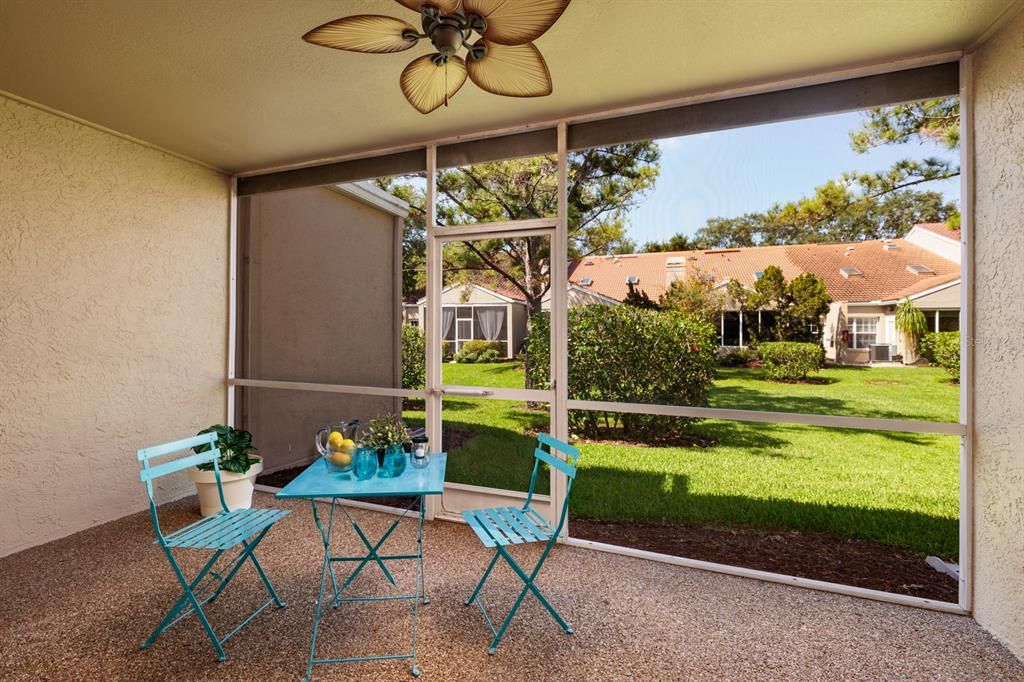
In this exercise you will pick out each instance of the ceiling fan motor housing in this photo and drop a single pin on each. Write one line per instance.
(450, 32)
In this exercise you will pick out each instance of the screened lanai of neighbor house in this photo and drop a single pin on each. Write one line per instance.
(466, 339)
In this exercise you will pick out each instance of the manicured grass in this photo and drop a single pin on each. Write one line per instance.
(886, 392)
(895, 488)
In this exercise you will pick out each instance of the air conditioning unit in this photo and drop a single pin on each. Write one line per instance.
(881, 352)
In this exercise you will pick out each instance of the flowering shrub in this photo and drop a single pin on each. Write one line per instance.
(414, 362)
(943, 349)
(628, 354)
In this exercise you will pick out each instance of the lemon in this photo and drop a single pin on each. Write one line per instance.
(348, 446)
(335, 439)
(341, 459)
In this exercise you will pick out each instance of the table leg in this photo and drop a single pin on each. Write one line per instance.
(326, 537)
(421, 594)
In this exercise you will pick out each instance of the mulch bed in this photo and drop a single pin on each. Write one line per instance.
(818, 556)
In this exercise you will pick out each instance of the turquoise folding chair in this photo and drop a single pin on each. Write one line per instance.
(217, 533)
(503, 527)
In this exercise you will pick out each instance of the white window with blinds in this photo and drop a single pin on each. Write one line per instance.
(863, 332)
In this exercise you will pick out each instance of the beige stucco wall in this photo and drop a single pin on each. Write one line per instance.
(944, 299)
(113, 319)
(999, 317)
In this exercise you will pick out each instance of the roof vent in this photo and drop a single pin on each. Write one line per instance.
(632, 279)
(889, 246)
(850, 272)
(919, 269)
(589, 262)
(586, 281)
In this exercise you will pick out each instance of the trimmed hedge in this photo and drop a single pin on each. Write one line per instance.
(414, 357)
(943, 349)
(791, 360)
(736, 358)
(627, 354)
(479, 350)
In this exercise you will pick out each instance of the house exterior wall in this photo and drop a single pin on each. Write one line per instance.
(998, 380)
(944, 299)
(519, 323)
(321, 303)
(935, 243)
(113, 319)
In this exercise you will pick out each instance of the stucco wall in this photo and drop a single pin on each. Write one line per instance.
(999, 317)
(944, 299)
(113, 307)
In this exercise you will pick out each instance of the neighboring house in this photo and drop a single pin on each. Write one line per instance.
(496, 312)
(865, 279)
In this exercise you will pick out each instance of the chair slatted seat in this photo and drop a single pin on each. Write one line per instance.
(244, 528)
(225, 529)
(500, 528)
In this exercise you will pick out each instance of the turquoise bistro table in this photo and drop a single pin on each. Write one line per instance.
(318, 482)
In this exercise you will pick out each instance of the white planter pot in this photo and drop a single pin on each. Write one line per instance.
(237, 488)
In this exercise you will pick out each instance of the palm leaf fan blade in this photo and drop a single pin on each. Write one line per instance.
(428, 85)
(515, 22)
(363, 33)
(511, 70)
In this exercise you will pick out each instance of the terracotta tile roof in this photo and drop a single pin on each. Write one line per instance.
(941, 229)
(885, 275)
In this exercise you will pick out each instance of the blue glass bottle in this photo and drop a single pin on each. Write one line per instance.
(365, 463)
(394, 461)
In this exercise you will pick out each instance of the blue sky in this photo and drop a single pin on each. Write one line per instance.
(728, 173)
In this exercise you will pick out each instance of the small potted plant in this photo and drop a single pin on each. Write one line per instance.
(238, 471)
(385, 432)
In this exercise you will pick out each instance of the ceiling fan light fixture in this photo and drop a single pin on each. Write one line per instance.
(502, 61)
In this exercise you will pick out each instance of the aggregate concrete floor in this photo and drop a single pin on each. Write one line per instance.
(77, 608)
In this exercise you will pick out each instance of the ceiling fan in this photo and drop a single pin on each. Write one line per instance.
(502, 61)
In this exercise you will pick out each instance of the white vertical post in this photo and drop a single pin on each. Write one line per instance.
(559, 361)
(229, 407)
(432, 320)
(508, 329)
(721, 329)
(966, 331)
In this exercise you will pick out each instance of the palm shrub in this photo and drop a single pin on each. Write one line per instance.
(791, 360)
(912, 324)
(629, 354)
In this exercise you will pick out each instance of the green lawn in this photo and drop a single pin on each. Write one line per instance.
(896, 488)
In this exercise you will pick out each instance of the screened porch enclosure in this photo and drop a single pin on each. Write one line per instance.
(476, 322)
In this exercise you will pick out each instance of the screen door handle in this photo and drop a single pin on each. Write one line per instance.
(467, 391)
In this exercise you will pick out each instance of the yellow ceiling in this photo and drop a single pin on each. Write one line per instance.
(230, 82)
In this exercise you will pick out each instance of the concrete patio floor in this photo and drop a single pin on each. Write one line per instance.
(77, 608)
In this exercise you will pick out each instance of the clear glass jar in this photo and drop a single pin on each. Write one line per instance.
(420, 452)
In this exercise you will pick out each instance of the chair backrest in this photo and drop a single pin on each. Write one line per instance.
(151, 472)
(567, 466)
